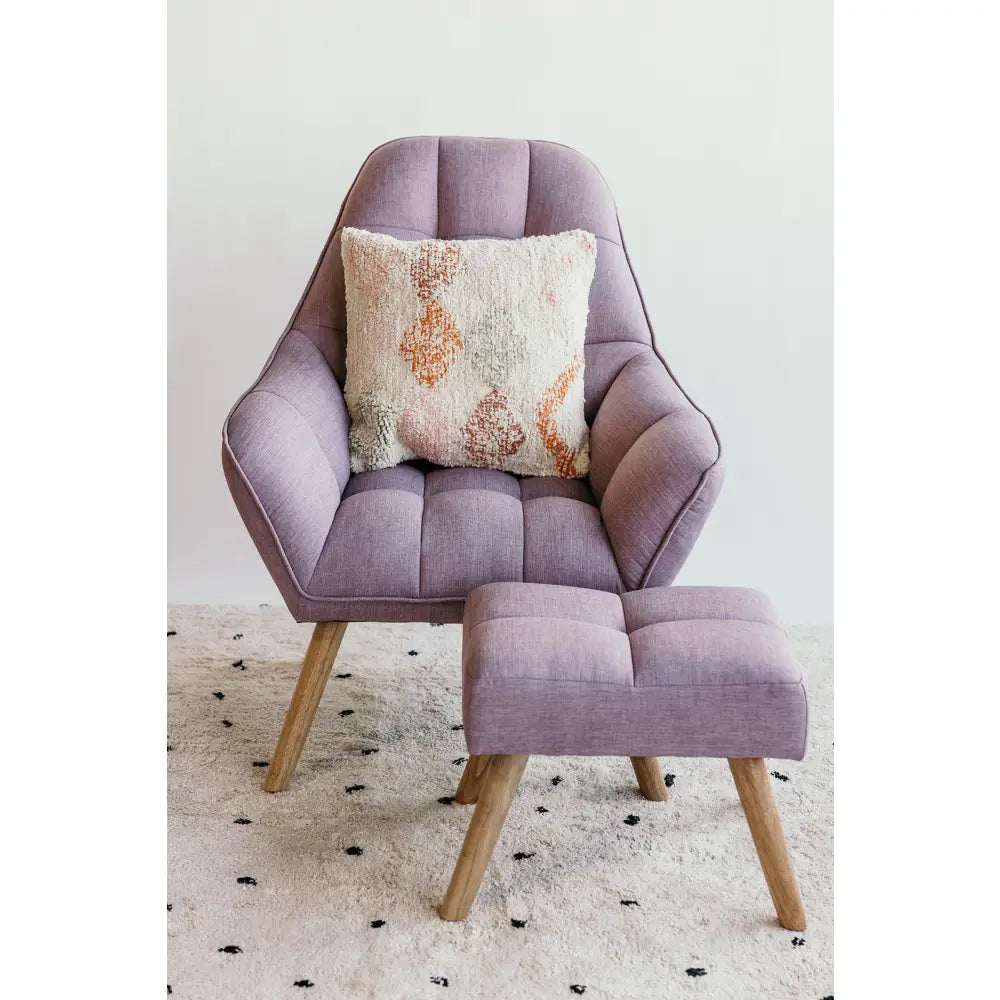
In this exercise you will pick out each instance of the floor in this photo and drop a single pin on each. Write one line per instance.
(329, 889)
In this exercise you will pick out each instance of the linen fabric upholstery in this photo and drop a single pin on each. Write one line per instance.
(663, 672)
(468, 352)
(374, 546)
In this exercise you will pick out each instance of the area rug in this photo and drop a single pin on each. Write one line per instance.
(329, 890)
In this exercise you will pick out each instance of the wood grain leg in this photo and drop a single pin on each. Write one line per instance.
(650, 778)
(323, 647)
(502, 776)
(757, 798)
(472, 780)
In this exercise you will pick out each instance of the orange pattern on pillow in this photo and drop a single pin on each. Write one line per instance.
(551, 399)
(431, 344)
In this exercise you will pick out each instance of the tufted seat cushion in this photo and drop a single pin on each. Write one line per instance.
(668, 671)
(420, 532)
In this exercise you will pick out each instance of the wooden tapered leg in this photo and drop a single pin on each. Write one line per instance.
(757, 798)
(472, 780)
(650, 778)
(323, 647)
(502, 776)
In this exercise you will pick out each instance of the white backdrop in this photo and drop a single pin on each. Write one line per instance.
(711, 120)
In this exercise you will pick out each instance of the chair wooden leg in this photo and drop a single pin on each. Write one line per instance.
(757, 798)
(650, 778)
(502, 777)
(472, 780)
(323, 647)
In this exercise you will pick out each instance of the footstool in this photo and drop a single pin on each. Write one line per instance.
(670, 671)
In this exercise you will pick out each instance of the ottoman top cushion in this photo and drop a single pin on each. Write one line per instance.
(669, 671)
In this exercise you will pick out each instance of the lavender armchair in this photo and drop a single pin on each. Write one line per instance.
(410, 543)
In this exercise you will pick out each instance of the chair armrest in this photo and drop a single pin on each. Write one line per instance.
(655, 470)
(286, 459)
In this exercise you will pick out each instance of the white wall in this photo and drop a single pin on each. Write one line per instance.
(711, 120)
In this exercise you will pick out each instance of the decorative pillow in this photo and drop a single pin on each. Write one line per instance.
(468, 352)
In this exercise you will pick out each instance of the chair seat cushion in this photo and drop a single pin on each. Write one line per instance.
(670, 671)
(429, 536)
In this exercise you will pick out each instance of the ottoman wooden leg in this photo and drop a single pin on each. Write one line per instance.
(472, 780)
(650, 778)
(757, 798)
(323, 648)
(502, 777)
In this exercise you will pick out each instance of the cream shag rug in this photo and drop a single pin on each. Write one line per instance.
(330, 889)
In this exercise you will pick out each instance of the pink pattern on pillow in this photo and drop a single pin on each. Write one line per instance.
(425, 428)
(435, 266)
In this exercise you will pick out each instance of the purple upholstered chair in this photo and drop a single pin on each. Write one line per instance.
(410, 543)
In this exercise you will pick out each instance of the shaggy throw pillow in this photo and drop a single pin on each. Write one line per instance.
(468, 352)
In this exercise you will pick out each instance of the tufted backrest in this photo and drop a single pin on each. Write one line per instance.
(462, 188)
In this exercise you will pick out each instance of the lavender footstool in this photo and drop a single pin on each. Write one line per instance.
(669, 671)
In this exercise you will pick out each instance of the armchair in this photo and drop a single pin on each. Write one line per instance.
(409, 543)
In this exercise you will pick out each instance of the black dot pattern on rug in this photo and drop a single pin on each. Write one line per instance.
(631, 819)
(170, 906)
(541, 809)
(242, 820)
(557, 780)
(377, 923)
(219, 695)
(446, 800)
(668, 780)
(436, 624)
(412, 652)
(517, 923)
(169, 748)
(232, 949)
(369, 750)
(630, 902)
(779, 776)
(341, 677)
(344, 712)
(239, 665)
(576, 988)
(303, 982)
(351, 789)
(239, 635)
(696, 972)
(227, 724)
(354, 851)
(798, 942)
(523, 855)
(171, 632)
(246, 880)
(460, 760)
(261, 763)
(455, 729)
(439, 980)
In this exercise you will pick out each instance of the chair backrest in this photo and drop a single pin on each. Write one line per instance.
(462, 188)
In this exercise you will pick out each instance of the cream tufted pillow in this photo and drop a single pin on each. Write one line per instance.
(468, 352)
